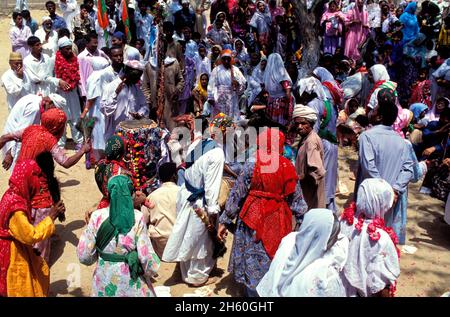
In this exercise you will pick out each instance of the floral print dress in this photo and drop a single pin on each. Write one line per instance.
(112, 279)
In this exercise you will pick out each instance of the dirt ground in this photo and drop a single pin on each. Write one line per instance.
(424, 273)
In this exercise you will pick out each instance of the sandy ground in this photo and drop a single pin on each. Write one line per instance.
(425, 273)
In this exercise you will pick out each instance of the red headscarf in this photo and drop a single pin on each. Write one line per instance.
(23, 185)
(274, 178)
(37, 139)
(54, 120)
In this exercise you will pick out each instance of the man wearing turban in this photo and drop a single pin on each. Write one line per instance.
(309, 163)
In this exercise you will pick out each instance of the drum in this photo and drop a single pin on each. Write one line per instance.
(143, 139)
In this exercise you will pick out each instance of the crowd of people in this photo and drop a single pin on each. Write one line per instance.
(245, 145)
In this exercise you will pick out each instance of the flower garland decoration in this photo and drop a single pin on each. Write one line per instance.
(377, 223)
(67, 69)
(143, 153)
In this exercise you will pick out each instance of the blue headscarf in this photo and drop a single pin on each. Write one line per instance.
(417, 109)
(410, 24)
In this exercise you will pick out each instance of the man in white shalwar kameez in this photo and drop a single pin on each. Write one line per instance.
(38, 70)
(12, 80)
(190, 243)
(72, 108)
(95, 85)
(122, 99)
(48, 36)
(226, 85)
(26, 112)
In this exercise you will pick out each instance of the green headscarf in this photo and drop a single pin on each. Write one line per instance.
(115, 148)
(120, 221)
(121, 209)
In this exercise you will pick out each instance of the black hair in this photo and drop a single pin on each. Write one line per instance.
(63, 32)
(132, 73)
(47, 165)
(168, 26)
(83, 6)
(141, 41)
(86, 1)
(90, 36)
(26, 14)
(388, 112)
(115, 47)
(33, 40)
(445, 113)
(16, 14)
(167, 171)
(106, 50)
(50, 2)
(196, 35)
(362, 120)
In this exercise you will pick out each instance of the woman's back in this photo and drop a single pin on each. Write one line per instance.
(113, 278)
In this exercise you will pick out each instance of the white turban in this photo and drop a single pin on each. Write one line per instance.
(184, 1)
(58, 100)
(310, 85)
(135, 64)
(46, 18)
(64, 41)
(301, 111)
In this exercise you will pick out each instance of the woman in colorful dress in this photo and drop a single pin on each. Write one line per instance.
(113, 164)
(200, 94)
(357, 28)
(409, 21)
(241, 56)
(263, 199)
(373, 264)
(278, 84)
(219, 32)
(240, 18)
(116, 238)
(37, 139)
(22, 271)
(334, 21)
(260, 23)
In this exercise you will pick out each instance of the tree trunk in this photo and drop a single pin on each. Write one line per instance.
(309, 27)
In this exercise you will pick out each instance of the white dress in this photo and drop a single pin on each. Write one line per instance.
(189, 242)
(220, 90)
(96, 84)
(13, 86)
(26, 112)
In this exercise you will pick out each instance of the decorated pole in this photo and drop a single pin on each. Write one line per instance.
(161, 48)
